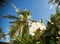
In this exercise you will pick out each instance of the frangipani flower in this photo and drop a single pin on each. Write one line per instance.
(35, 26)
(31, 31)
(42, 27)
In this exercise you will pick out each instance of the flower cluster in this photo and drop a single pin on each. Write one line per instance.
(34, 26)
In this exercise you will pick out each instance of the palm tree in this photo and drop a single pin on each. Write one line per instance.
(2, 35)
(18, 22)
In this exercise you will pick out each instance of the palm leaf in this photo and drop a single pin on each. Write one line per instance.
(16, 9)
(17, 25)
(10, 17)
(3, 2)
(14, 29)
(13, 22)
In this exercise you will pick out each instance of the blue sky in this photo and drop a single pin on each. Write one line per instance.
(39, 9)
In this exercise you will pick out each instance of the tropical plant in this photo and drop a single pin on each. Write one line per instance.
(23, 30)
(34, 36)
(54, 28)
(18, 22)
(53, 25)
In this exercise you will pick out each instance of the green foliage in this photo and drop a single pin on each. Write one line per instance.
(49, 36)
(28, 39)
(54, 28)
(20, 29)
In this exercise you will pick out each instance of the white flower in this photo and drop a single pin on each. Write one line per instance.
(31, 31)
(35, 26)
(42, 27)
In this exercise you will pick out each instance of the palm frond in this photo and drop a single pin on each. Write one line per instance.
(16, 9)
(3, 2)
(10, 17)
(13, 22)
(13, 30)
